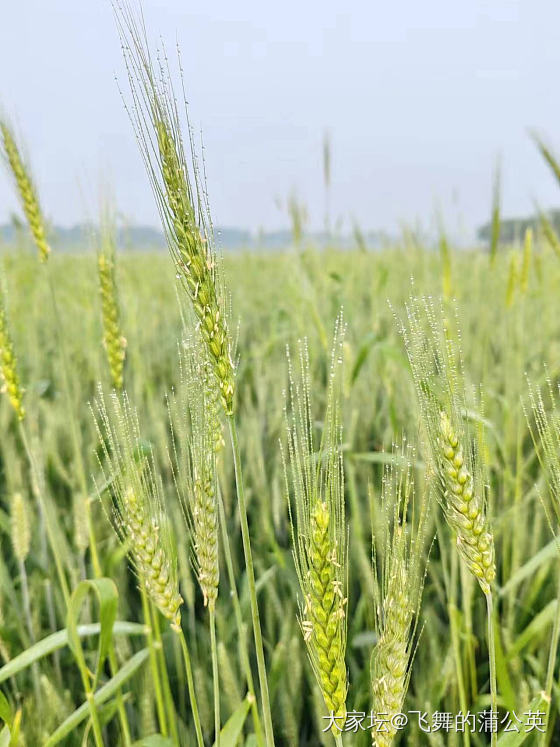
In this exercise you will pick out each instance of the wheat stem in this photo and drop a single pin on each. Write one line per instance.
(76, 441)
(190, 685)
(241, 628)
(492, 661)
(153, 663)
(551, 666)
(123, 718)
(167, 696)
(48, 526)
(269, 735)
(456, 645)
(215, 676)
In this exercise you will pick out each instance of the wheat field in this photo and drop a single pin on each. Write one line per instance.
(301, 497)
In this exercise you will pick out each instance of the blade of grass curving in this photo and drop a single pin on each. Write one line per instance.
(99, 697)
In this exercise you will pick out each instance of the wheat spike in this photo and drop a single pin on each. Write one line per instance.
(20, 528)
(399, 569)
(8, 366)
(464, 509)
(390, 663)
(137, 511)
(180, 196)
(113, 340)
(197, 437)
(319, 529)
(436, 364)
(26, 190)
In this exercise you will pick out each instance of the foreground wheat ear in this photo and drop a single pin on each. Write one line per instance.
(437, 370)
(544, 426)
(194, 416)
(432, 344)
(399, 570)
(113, 340)
(197, 437)
(180, 195)
(315, 486)
(137, 510)
(26, 189)
(8, 365)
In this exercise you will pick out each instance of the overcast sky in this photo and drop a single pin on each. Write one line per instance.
(419, 99)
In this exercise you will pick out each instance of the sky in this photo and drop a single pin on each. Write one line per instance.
(419, 100)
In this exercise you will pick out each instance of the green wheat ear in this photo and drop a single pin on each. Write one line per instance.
(181, 198)
(26, 190)
(8, 365)
(399, 570)
(435, 361)
(137, 511)
(113, 340)
(197, 439)
(315, 484)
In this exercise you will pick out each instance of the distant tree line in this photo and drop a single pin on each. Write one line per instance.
(513, 229)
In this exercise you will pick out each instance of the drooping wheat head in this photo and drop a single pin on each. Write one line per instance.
(137, 510)
(8, 365)
(315, 486)
(399, 569)
(435, 359)
(197, 438)
(113, 340)
(26, 190)
(180, 194)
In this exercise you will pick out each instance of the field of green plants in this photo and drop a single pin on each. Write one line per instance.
(307, 497)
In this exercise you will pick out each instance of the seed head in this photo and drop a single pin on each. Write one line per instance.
(315, 484)
(8, 366)
(434, 353)
(399, 569)
(20, 528)
(26, 190)
(197, 438)
(181, 196)
(115, 343)
(137, 510)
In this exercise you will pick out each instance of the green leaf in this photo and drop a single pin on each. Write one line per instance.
(14, 731)
(505, 687)
(547, 553)
(383, 457)
(108, 597)
(103, 694)
(362, 355)
(514, 739)
(154, 740)
(5, 709)
(231, 731)
(60, 639)
(534, 629)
